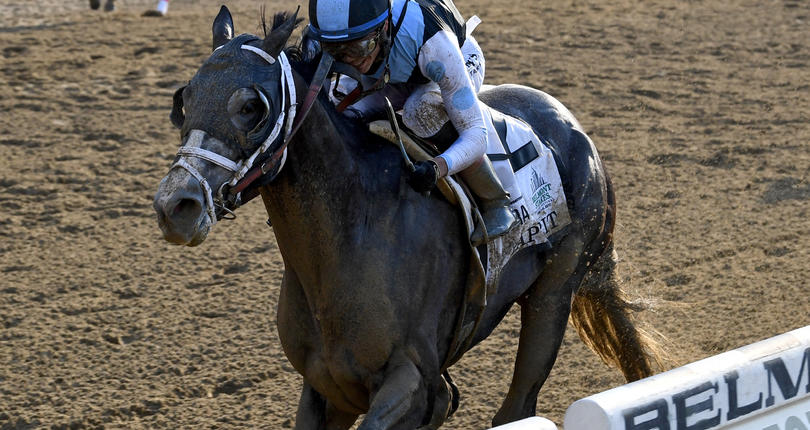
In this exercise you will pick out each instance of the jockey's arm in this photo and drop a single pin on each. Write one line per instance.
(441, 60)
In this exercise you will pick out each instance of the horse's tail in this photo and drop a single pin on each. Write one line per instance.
(604, 317)
(605, 321)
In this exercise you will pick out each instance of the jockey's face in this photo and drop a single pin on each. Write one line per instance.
(362, 64)
(360, 54)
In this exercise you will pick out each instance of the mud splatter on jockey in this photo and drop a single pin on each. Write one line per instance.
(423, 56)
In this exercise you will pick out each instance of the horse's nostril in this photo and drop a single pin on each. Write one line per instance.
(185, 206)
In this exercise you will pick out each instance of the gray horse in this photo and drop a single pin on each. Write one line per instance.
(375, 272)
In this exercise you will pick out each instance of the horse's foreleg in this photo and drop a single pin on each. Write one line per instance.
(544, 314)
(401, 400)
(316, 413)
(445, 403)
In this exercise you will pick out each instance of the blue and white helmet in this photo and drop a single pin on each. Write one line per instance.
(344, 20)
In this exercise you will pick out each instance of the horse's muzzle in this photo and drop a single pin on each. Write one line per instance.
(181, 216)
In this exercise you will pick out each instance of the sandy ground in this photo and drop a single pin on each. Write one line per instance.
(700, 109)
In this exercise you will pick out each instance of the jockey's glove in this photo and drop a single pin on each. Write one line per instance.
(355, 114)
(424, 176)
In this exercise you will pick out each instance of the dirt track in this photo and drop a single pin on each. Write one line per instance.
(700, 109)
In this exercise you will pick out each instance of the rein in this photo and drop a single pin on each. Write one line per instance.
(240, 179)
(244, 172)
(312, 94)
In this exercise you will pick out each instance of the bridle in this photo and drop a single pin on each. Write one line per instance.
(244, 173)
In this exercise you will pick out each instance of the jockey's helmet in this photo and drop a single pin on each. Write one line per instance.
(346, 20)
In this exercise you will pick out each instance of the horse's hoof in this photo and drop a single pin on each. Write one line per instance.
(109, 6)
(152, 13)
(95, 4)
(455, 395)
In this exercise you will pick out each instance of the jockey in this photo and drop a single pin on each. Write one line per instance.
(431, 68)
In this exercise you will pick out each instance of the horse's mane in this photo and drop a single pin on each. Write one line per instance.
(293, 52)
(306, 66)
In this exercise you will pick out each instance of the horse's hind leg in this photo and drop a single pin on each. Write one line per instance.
(544, 312)
(316, 413)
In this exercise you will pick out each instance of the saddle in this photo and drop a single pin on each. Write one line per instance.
(541, 208)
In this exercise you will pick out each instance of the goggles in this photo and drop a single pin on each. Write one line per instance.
(354, 49)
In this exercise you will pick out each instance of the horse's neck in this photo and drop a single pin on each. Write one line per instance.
(320, 153)
(318, 145)
(311, 202)
(305, 201)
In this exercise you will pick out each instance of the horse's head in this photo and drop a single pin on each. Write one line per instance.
(233, 114)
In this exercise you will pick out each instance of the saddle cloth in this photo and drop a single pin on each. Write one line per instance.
(538, 199)
(538, 202)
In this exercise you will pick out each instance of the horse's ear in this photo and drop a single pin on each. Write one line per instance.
(275, 41)
(223, 27)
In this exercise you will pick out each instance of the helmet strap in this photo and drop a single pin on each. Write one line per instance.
(390, 35)
(395, 30)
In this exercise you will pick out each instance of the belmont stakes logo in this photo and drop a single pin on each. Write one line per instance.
(541, 191)
(735, 396)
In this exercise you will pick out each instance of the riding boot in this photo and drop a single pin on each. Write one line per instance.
(493, 200)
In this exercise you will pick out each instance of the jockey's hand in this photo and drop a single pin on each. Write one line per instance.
(354, 114)
(424, 177)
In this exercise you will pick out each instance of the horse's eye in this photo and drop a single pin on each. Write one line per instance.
(249, 108)
(245, 109)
